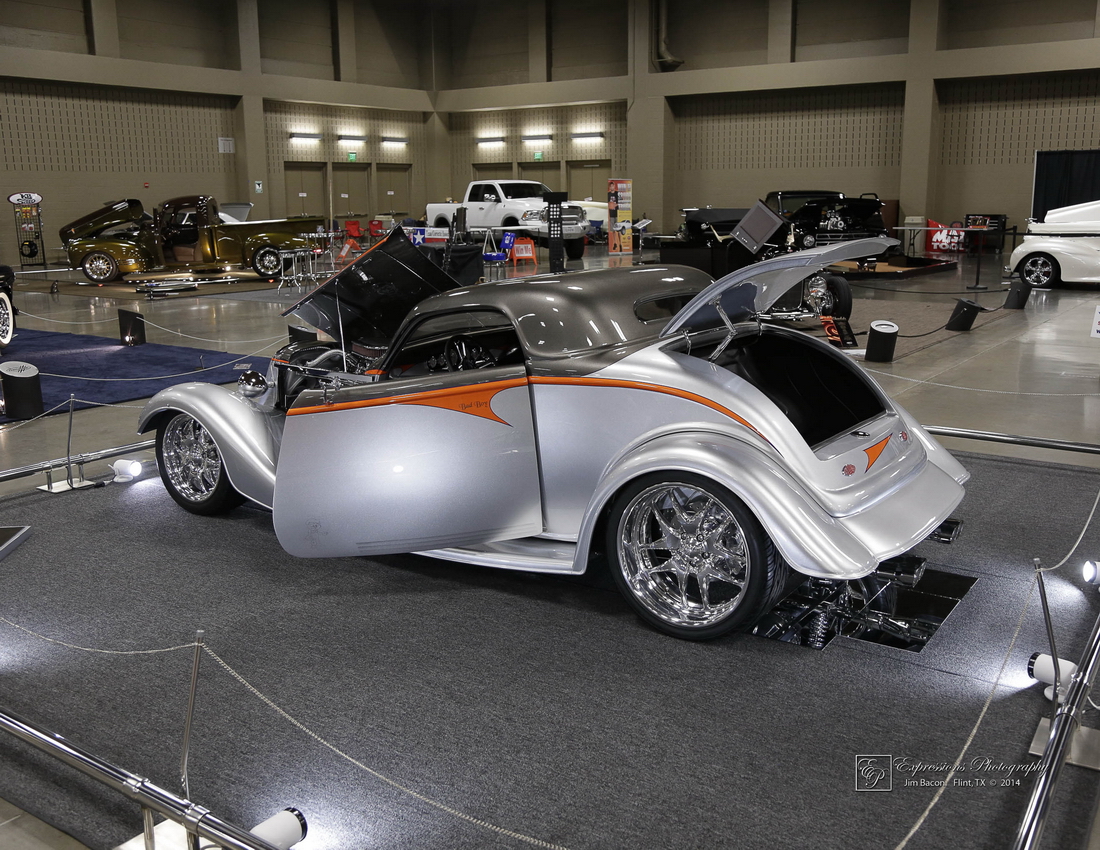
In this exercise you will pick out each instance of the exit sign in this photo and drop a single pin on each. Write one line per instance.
(538, 156)
(353, 155)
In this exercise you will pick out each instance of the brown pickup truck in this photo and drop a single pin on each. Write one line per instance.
(182, 234)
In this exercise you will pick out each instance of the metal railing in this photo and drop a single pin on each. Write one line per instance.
(1013, 439)
(152, 798)
(1063, 726)
(48, 466)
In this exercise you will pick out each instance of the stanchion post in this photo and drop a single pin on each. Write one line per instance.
(148, 828)
(190, 712)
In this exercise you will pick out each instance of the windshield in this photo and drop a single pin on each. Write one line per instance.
(786, 203)
(515, 191)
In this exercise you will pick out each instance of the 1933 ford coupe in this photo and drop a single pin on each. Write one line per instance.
(644, 417)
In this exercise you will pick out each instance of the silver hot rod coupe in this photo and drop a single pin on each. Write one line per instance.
(644, 418)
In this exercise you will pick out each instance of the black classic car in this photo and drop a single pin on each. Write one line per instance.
(720, 241)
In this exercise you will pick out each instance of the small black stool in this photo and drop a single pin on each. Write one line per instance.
(22, 390)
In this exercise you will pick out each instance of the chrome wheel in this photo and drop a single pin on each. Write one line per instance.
(7, 320)
(266, 262)
(683, 555)
(100, 267)
(192, 468)
(191, 460)
(1039, 270)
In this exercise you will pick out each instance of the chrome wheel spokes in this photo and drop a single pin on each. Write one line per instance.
(1038, 271)
(683, 554)
(191, 459)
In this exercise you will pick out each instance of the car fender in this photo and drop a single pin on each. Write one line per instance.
(279, 238)
(1078, 256)
(812, 541)
(122, 251)
(246, 435)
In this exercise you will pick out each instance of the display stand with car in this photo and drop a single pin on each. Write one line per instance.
(183, 234)
(641, 418)
(516, 205)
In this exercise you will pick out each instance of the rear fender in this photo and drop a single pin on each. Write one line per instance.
(247, 436)
(812, 541)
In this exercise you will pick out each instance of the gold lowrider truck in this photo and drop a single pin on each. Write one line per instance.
(183, 234)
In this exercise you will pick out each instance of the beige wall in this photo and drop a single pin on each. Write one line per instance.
(83, 146)
(940, 104)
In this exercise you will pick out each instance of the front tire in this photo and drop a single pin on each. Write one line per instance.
(266, 261)
(192, 468)
(7, 320)
(100, 267)
(690, 557)
(574, 248)
(840, 296)
(1040, 270)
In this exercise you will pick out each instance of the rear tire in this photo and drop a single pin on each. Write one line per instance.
(266, 262)
(192, 468)
(690, 557)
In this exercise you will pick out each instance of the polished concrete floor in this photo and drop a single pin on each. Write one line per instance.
(1035, 372)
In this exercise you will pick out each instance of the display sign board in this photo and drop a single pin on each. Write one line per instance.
(20, 198)
(620, 236)
(1096, 325)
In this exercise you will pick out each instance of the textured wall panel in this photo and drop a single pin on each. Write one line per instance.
(991, 128)
(486, 44)
(731, 149)
(561, 121)
(852, 28)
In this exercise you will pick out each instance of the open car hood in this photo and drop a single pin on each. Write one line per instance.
(366, 302)
(753, 289)
(113, 214)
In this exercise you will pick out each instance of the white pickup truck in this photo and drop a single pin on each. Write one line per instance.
(513, 205)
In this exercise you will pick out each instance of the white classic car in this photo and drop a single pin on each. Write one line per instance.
(643, 419)
(1064, 246)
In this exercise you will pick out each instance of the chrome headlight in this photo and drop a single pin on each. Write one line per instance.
(531, 215)
(251, 384)
(809, 240)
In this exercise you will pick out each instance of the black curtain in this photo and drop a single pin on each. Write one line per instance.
(1063, 178)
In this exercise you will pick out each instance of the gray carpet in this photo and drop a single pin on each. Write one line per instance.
(537, 704)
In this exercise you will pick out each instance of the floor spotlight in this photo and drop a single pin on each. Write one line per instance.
(283, 829)
(126, 470)
(1090, 571)
(1041, 668)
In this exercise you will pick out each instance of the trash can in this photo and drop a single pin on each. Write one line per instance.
(22, 390)
(881, 339)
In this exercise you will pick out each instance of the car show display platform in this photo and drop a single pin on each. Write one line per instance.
(540, 705)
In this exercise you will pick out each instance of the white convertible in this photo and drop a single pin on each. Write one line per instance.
(1065, 246)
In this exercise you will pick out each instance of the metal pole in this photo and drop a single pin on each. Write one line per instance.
(69, 444)
(1054, 756)
(147, 828)
(1050, 628)
(190, 712)
(994, 437)
(197, 819)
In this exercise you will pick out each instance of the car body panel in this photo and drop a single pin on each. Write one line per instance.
(443, 463)
(1071, 235)
(513, 460)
